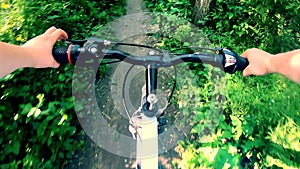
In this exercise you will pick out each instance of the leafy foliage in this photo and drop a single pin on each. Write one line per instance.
(37, 116)
(262, 24)
(182, 8)
(258, 127)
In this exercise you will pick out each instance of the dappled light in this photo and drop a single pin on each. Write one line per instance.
(223, 120)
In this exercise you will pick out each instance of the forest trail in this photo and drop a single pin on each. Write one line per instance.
(95, 157)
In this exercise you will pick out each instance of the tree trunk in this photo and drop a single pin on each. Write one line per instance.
(200, 9)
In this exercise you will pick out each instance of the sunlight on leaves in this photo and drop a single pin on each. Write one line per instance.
(285, 144)
(277, 162)
(5, 6)
(63, 118)
(287, 134)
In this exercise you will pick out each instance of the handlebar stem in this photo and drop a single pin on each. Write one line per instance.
(151, 79)
(151, 86)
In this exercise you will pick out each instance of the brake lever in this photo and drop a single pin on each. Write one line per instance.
(75, 42)
(92, 46)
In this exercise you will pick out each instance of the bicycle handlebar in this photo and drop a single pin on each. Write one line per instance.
(226, 59)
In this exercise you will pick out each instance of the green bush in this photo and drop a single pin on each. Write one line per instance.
(182, 8)
(259, 126)
(270, 25)
(38, 122)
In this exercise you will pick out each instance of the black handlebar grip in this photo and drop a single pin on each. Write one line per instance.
(240, 62)
(60, 54)
(66, 54)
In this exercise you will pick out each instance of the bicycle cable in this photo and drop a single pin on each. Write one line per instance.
(170, 96)
(123, 92)
(137, 45)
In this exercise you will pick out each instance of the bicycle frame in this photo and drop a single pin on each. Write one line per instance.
(146, 124)
(147, 143)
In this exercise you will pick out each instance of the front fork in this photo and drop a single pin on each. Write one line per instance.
(146, 135)
(144, 124)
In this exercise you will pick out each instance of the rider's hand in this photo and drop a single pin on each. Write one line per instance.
(40, 48)
(259, 62)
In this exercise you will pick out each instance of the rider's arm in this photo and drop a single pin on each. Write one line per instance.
(36, 52)
(261, 63)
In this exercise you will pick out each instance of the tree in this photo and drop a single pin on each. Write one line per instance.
(200, 9)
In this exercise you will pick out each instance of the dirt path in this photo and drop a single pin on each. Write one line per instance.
(95, 157)
(98, 158)
(134, 6)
